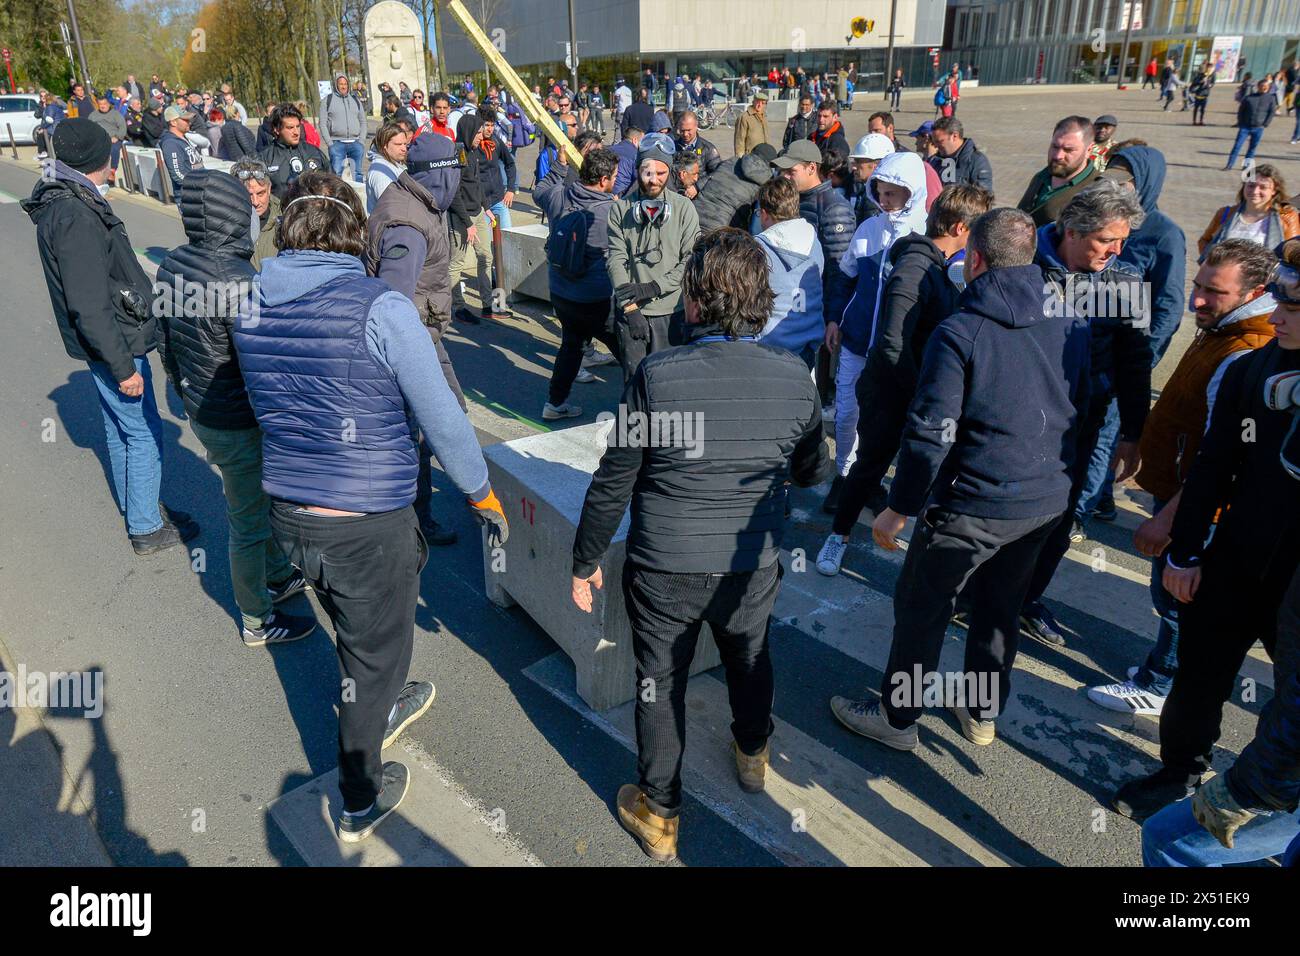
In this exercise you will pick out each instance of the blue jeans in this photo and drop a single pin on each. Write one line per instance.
(340, 152)
(1173, 838)
(1100, 480)
(1157, 672)
(134, 431)
(1253, 133)
(1296, 133)
(502, 212)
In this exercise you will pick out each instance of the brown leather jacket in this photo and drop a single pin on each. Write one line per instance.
(1174, 428)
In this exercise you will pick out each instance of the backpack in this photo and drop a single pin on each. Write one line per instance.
(941, 95)
(566, 247)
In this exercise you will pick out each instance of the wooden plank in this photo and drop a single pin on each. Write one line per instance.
(523, 96)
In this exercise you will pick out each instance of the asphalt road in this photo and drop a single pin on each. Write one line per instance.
(200, 734)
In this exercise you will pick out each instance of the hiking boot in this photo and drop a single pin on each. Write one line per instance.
(412, 702)
(279, 628)
(1139, 799)
(657, 835)
(866, 718)
(751, 770)
(395, 780)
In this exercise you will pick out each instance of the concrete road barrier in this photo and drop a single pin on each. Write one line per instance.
(542, 481)
(524, 249)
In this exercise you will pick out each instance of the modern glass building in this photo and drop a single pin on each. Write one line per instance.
(719, 39)
(1080, 41)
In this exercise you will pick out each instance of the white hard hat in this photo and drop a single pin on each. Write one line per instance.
(872, 146)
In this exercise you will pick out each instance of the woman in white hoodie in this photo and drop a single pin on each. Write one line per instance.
(897, 187)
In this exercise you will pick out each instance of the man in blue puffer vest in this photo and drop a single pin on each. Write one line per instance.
(341, 373)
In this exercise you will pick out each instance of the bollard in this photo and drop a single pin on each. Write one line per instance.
(13, 146)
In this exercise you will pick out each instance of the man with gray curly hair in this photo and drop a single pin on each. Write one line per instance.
(1079, 255)
(256, 178)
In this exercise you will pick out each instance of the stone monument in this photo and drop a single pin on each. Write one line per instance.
(394, 49)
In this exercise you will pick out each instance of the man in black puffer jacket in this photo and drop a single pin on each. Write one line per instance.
(706, 533)
(727, 199)
(237, 141)
(198, 293)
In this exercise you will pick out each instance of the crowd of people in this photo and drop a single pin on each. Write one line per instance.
(999, 357)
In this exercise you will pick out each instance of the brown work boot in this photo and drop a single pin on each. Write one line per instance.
(658, 835)
(751, 771)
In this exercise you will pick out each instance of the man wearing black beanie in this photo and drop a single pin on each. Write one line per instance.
(102, 302)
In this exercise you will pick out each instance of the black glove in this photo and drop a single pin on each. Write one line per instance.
(637, 327)
(636, 292)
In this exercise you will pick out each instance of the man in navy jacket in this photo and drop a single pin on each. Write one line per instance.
(985, 468)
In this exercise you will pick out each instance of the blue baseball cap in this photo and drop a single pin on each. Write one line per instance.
(924, 129)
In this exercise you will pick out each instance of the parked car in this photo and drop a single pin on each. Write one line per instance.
(18, 111)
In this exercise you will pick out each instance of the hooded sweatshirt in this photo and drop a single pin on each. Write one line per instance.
(467, 205)
(864, 267)
(1157, 249)
(795, 263)
(991, 430)
(343, 119)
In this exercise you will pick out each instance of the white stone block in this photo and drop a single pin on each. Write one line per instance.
(524, 249)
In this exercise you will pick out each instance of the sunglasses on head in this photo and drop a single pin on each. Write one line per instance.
(246, 174)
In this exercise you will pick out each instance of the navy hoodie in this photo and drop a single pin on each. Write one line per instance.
(1158, 249)
(991, 430)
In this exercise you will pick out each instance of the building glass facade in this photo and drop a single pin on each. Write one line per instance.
(1082, 41)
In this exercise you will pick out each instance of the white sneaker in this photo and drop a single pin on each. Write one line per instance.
(1127, 698)
(584, 377)
(831, 557)
(593, 358)
(564, 410)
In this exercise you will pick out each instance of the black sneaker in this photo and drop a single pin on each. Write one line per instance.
(1139, 799)
(1037, 622)
(412, 702)
(832, 503)
(1105, 510)
(435, 534)
(466, 316)
(279, 628)
(293, 584)
(165, 537)
(1077, 532)
(962, 620)
(396, 778)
